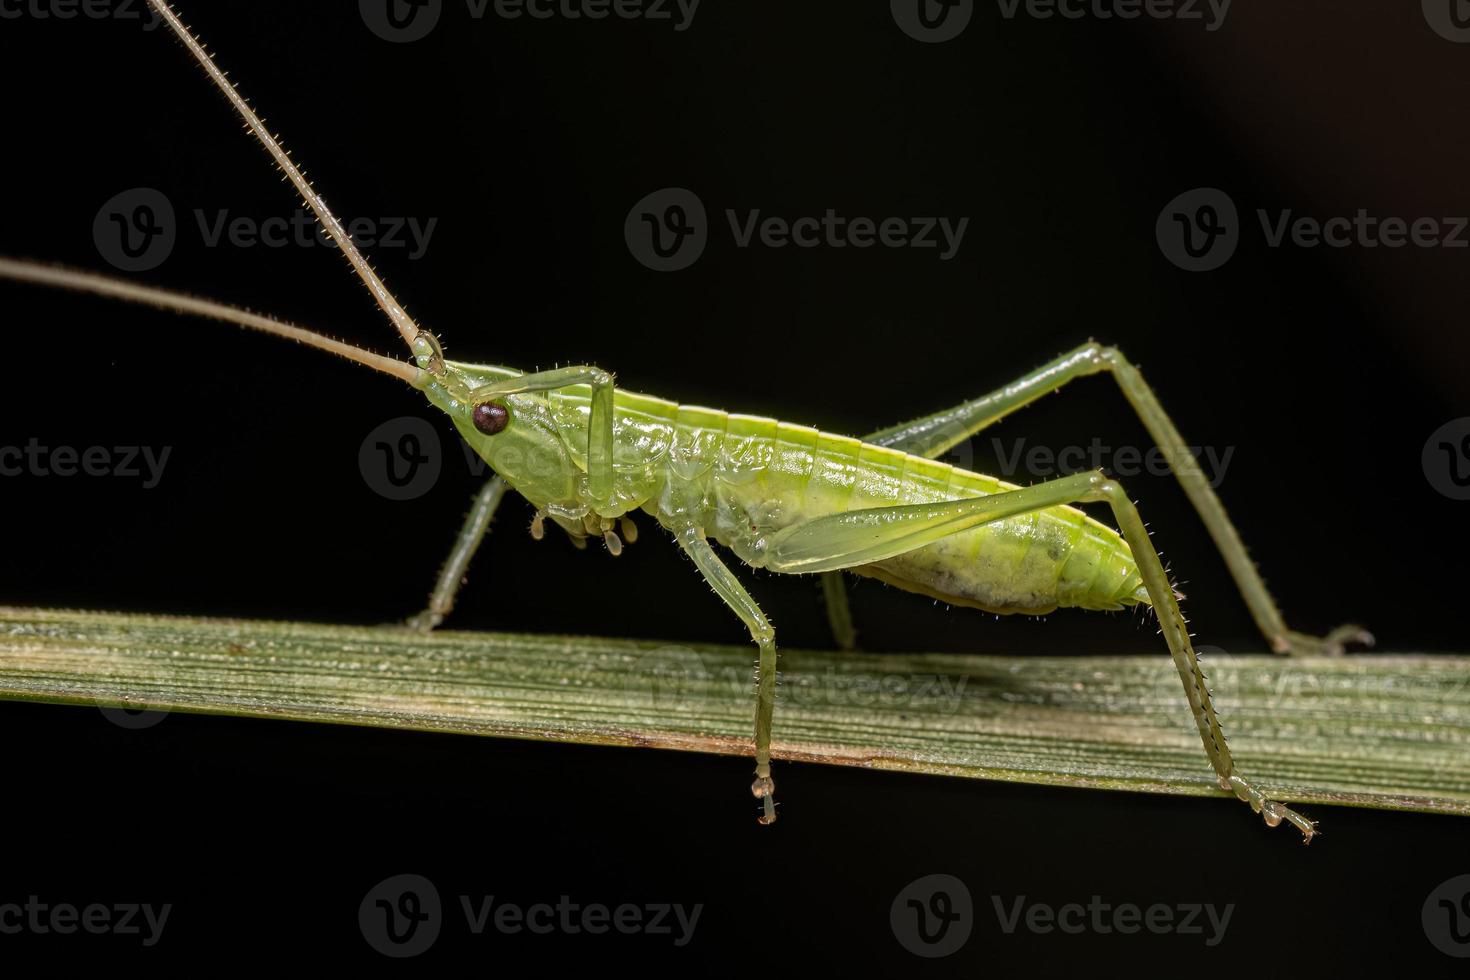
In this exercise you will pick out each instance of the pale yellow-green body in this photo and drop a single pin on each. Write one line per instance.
(741, 478)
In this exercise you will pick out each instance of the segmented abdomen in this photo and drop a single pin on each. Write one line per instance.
(743, 477)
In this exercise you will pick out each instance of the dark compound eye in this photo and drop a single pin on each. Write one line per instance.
(491, 418)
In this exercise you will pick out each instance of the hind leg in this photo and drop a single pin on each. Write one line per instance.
(932, 435)
(859, 537)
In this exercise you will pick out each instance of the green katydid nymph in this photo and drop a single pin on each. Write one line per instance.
(788, 498)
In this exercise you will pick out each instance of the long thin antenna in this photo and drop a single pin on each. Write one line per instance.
(88, 282)
(396, 313)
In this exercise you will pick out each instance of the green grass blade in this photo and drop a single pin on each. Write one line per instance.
(1377, 730)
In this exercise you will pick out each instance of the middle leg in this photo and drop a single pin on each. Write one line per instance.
(728, 588)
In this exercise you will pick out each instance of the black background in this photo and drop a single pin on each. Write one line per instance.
(1325, 369)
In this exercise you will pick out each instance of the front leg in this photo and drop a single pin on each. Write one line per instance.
(728, 587)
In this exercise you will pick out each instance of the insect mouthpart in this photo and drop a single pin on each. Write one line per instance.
(490, 418)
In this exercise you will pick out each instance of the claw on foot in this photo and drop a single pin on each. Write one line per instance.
(1272, 812)
(1334, 644)
(424, 622)
(764, 789)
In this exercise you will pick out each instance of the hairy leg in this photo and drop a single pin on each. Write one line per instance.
(728, 588)
(863, 536)
(466, 543)
(932, 435)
